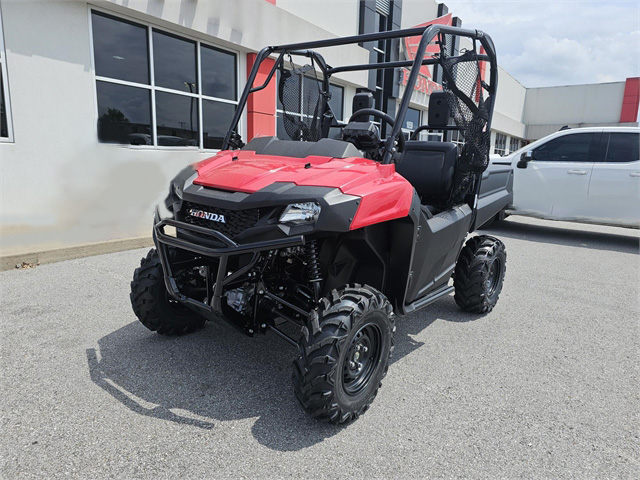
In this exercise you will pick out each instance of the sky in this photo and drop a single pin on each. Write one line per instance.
(548, 43)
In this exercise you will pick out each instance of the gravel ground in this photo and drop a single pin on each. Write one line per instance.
(545, 386)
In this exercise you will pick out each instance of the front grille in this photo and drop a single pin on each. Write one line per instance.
(235, 221)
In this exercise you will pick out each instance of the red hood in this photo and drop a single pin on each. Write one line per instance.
(385, 195)
(252, 172)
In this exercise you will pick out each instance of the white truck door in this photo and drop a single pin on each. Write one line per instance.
(614, 189)
(556, 180)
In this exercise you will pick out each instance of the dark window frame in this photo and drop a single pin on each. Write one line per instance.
(419, 122)
(153, 88)
(500, 145)
(514, 141)
(236, 72)
(128, 22)
(7, 119)
(593, 144)
(607, 147)
(196, 57)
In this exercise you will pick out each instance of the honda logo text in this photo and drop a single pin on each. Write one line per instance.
(214, 217)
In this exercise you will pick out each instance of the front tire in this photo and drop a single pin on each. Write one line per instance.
(479, 274)
(153, 305)
(344, 354)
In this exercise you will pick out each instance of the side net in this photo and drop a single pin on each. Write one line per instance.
(303, 103)
(463, 87)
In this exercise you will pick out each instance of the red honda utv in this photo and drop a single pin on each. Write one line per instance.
(333, 236)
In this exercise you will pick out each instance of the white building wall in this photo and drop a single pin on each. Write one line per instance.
(547, 109)
(415, 12)
(509, 104)
(339, 17)
(508, 111)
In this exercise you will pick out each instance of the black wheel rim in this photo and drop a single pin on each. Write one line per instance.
(493, 280)
(362, 358)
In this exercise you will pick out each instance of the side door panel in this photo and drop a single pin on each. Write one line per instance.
(614, 189)
(556, 181)
(496, 191)
(437, 247)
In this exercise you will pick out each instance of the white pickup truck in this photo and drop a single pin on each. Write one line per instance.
(584, 174)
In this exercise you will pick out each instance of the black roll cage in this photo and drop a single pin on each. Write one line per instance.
(427, 33)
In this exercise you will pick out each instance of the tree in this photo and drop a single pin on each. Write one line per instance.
(114, 115)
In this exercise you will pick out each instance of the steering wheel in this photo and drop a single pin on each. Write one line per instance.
(365, 112)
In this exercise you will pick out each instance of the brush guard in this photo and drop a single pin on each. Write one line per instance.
(213, 308)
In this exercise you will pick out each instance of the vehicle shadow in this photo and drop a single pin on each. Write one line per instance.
(211, 376)
(444, 309)
(219, 374)
(626, 241)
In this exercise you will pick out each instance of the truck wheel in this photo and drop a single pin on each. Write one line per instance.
(479, 274)
(153, 305)
(344, 354)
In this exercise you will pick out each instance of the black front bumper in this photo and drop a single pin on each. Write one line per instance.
(213, 307)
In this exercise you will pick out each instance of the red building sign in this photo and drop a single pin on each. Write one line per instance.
(425, 83)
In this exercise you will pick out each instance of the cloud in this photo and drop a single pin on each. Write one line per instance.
(561, 42)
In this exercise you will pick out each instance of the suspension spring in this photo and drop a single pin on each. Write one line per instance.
(313, 264)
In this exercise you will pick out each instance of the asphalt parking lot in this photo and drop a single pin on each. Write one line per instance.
(545, 386)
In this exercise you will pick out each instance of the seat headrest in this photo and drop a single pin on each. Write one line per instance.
(438, 110)
(362, 100)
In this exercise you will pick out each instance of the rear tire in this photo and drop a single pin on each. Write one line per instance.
(479, 274)
(153, 305)
(344, 354)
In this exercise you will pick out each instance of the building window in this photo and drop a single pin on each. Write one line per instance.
(457, 138)
(382, 24)
(336, 103)
(157, 88)
(514, 144)
(411, 122)
(120, 49)
(6, 131)
(124, 114)
(501, 144)
(337, 107)
(4, 127)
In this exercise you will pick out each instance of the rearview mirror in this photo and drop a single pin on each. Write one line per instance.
(525, 158)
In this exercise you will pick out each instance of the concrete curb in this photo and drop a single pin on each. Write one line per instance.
(8, 262)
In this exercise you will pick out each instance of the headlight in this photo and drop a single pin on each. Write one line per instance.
(300, 213)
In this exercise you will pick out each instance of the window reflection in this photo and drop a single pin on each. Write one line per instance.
(216, 117)
(569, 148)
(281, 133)
(623, 147)
(174, 62)
(4, 127)
(218, 73)
(124, 114)
(122, 57)
(411, 119)
(177, 119)
(337, 101)
(120, 49)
